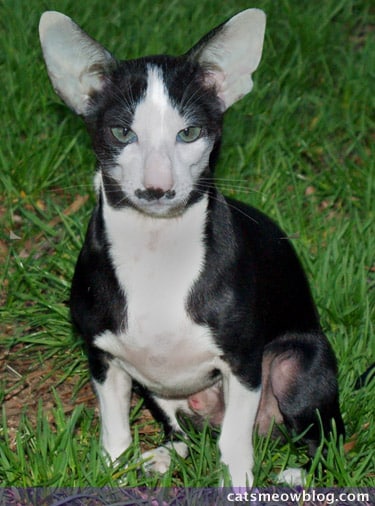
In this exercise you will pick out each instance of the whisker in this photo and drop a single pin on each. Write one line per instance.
(243, 189)
(230, 187)
(231, 206)
(226, 180)
(59, 189)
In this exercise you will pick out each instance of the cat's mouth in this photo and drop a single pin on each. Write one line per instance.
(165, 206)
(154, 194)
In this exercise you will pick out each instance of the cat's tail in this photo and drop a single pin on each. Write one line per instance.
(366, 377)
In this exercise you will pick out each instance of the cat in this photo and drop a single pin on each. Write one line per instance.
(196, 297)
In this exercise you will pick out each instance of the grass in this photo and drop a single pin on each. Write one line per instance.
(300, 147)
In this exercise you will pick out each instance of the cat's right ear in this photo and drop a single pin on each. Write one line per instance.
(230, 53)
(76, 63)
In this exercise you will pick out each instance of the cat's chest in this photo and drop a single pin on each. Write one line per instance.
(157, 262)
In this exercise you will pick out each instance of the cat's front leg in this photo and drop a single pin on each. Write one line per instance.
(114, 394)
(235, 443)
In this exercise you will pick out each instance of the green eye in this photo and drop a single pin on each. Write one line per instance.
(124, 135)
(189, 134)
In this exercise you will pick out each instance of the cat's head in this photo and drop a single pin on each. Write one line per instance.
(155, 121)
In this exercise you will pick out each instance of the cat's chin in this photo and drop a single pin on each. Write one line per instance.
(161, 209)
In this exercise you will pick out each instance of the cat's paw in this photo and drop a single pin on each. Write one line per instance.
(157, 460)
(292, 476)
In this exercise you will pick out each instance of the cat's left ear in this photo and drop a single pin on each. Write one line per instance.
(230, 53)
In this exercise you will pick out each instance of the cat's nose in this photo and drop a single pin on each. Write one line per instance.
(158, 176)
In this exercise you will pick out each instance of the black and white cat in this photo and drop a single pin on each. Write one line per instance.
(198, 298)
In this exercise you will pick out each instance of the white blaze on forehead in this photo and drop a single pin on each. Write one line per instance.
(156, 91)
(156, 121)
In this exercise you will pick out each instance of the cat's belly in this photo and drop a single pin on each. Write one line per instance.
(167, 363)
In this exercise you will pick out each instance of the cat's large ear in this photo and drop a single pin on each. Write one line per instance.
(76, 63)
(230, 53)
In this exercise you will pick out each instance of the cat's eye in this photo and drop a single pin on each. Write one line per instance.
(189, 134)
(124, 135)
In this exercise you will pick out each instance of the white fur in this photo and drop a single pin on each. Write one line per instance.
(114, 400)
(293, 477)
(170, 407)
(235, 441)
(159, 459)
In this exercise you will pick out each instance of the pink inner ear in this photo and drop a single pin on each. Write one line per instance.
(216, 78)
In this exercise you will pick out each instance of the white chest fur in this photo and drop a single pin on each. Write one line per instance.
(157, 262)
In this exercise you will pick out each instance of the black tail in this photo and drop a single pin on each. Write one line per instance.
(366, 377)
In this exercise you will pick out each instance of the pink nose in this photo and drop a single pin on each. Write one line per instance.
(158, 172)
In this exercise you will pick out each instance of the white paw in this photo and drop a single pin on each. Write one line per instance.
(292, 476)
(157, 460)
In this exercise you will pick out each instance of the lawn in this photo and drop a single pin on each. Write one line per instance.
(301, 147)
